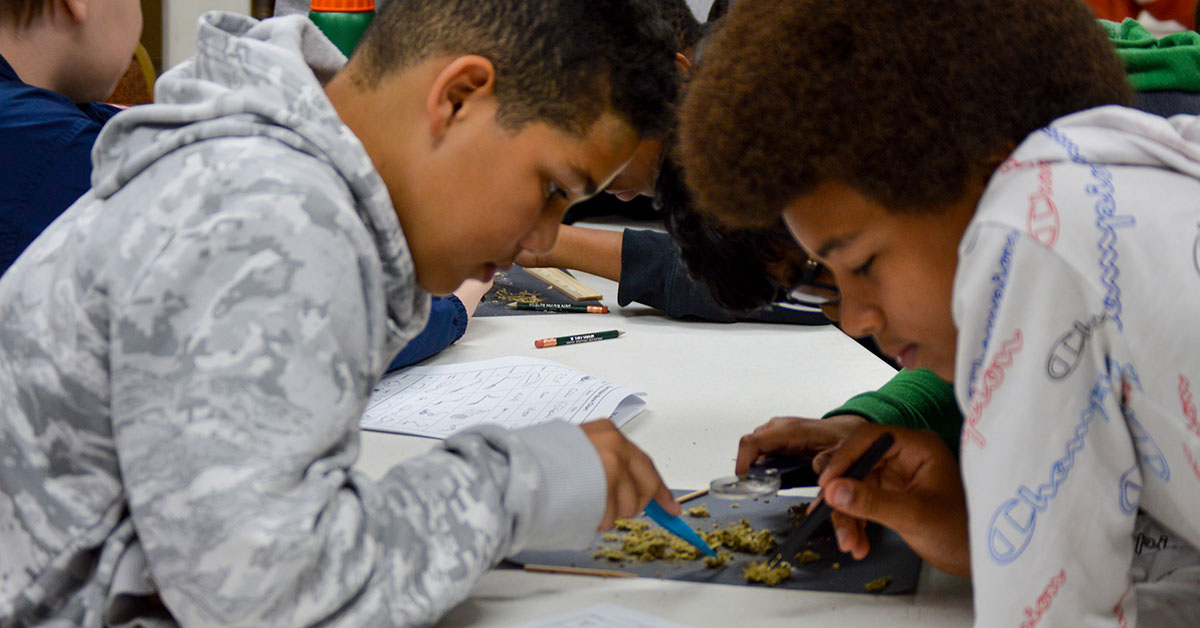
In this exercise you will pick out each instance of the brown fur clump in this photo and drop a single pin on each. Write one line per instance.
(903, 100)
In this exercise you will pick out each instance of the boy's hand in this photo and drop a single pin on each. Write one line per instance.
(550, 258)
(796, 436)
(632, 479)
(525, 259)
(471, 293)
(595, 251)
(916, 490)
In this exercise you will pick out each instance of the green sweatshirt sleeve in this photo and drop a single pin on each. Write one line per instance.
(915, 399)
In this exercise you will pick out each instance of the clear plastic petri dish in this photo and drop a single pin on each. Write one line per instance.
(744, 486)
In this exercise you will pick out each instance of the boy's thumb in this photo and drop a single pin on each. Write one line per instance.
(862, 501)
(666, 499)
(852, 498)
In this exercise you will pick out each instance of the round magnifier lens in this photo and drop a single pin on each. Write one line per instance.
(744, 486)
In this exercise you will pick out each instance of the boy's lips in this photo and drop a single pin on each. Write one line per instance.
(624, 195)
(907, 357)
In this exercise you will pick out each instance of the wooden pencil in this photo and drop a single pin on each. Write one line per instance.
(693, 495)
(580, 571)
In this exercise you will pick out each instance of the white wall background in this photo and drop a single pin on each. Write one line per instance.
(179, 25)
(700, 8)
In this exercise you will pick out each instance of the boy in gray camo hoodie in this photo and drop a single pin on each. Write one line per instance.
(185, 353)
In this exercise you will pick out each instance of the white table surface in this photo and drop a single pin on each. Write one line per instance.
(707, 384)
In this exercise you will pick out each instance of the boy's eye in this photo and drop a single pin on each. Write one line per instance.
(865, 267)
(553, 190)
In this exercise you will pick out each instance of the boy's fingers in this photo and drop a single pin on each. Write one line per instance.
(851, 534)
(609, 514)
(765, 439)
(748, 452)
(851, 497)
(633, 479)
(781, 433)
(626, 498)
(843, 457)
(667, 500)
(651, 486)
(863, 546)
(821, 460)
(896, 510)
(842, 529)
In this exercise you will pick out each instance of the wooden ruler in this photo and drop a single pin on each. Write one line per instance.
(565, 283)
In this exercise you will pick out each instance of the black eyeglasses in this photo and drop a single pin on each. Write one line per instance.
(814, 288)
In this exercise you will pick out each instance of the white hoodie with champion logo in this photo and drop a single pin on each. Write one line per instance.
(1077, 299)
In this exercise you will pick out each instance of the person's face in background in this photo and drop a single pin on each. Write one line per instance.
(640, 175)
(109, 31)
(78, 48)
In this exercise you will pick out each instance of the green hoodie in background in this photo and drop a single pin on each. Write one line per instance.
(1168, 64)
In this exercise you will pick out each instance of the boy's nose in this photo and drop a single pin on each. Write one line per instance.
(859, 318)
(541, 238)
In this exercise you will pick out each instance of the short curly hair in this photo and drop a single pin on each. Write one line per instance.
(900, 99)
(21, 13)
(683, 20)
(557, 61)
(733, 264)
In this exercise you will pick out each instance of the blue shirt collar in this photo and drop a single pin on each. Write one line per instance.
(7, 72)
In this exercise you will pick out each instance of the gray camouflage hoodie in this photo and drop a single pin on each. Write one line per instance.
(184, 356)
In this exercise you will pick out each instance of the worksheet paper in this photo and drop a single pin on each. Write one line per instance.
(603, 616)
(437, 401)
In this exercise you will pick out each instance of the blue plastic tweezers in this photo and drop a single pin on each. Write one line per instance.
(678, 527)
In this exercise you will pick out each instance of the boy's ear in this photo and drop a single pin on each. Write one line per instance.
(682, 64)
(457, 91)
(993, 162)
(77, 9)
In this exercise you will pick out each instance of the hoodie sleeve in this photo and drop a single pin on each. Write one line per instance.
(242, 357)
(916, 399)
(447, 323)
(1046, 459)
(653, 273)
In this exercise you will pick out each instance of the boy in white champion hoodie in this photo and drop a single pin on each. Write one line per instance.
(989, 214)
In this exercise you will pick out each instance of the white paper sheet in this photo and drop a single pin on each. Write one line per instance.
(603, 616)
(437, 401)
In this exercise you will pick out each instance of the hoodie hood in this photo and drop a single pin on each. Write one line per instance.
(262, 79)
(247, 78)
(1116, 136)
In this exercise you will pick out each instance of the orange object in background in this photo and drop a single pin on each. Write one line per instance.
(1182, 11)
(136, 86)
(347, 6)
